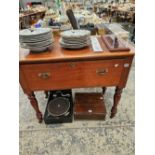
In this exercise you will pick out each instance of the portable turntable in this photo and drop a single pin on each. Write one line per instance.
(59, 107)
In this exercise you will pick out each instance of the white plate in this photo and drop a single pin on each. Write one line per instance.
(35, 41)
(36, 46)
(72, 47)
(74, 44)
(35, 38)
(39, 43)
(34, 32)
(77, 39)
(40, 49)
(75, 34)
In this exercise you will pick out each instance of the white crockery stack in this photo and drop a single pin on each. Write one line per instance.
(37, 39)
(75, 39)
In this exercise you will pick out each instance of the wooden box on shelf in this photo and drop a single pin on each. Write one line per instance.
(89, 106)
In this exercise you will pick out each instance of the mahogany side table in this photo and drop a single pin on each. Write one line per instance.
(59, 68)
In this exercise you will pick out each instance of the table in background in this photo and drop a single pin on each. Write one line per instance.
(26, 20)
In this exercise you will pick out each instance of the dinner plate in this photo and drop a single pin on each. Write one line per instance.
(34, 41)
(38, 46)
(39, 43)
(75, 34)
(73, 43)
(38, 49)
(36, 38)
(76, 43)
(75, 40)
(34, 32)
(72, 47)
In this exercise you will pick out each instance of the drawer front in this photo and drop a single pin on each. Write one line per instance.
(73, 74)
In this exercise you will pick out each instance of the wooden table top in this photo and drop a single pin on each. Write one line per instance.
(59, 54)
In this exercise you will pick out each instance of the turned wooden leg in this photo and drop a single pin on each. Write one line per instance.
(103, 90)
(34, 104)
(46, 94)
(117, 97)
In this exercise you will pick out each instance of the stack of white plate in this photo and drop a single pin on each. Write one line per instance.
(37, 40)
(75, 39)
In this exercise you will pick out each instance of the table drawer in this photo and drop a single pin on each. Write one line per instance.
(73, 74)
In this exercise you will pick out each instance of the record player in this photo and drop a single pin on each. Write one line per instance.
(59, 107)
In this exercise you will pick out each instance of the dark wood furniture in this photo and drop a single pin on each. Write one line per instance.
(114, 44)
(89, 106)
(65, 69)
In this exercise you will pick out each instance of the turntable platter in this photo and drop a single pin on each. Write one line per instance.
(58, 106)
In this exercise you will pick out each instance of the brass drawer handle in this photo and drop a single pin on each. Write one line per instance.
(44, 75)
(102, 71)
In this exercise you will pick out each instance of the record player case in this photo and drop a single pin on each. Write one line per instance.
(62, 117)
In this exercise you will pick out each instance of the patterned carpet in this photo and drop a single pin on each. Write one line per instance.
(110, 137)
